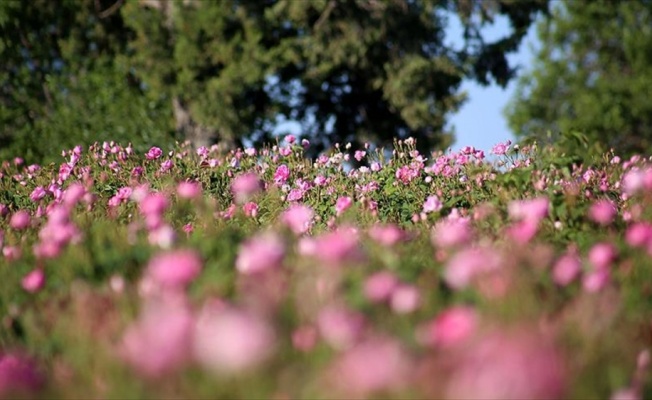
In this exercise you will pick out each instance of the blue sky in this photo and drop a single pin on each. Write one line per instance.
(480, 121)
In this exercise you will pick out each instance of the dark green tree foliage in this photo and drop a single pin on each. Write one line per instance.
(61, 83)
(592, 74)
(229, 70)
(348, 70)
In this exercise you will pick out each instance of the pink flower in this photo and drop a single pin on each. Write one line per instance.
(245, 186)
(508, 365)
(603, 212)
(189, 190)
(154, 204)
(282, 174)
(602, 255)
(230, 341)
(359, 155)
(37, 194)
(11, 253)
(501, 148)
(566, 269)
(373, 366)
(336, 248)
(342, 204)
(290, 139)
(523, 231)
(466, 265)
(20, 220)
(18, 374)
(34, 281)
(175, 269)
(432, 204)
(638, 234)
(405, 299)
(304, 338)
(451, 233)
(450, 328)
(160, 341)
(386, 235)
(298, 218)
(74, 194)
(154, 153)
(340, 327)
(379, 286)
(596, 280)
(295, 195)
(531, 210)
(260, 253)
(250, 209)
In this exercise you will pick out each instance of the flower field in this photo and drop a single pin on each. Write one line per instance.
(258, 273)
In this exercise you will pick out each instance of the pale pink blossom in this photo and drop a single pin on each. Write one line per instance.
(188, 190)
(298, 218)
(432, 204)
(379, 286)
(153, 153)
(340, 327)
(501, 148)
(34, 281)
(20, 220)
(282, 174)
(245, 186)
(467, 264)
(304, 338)
(596, 280)
(601, 255)
(175, 269)
(159, 342)
(154, 204)
(260, 253)
(531, 209)
(386, 234)
(451, 233)
(508, 365)
(229, 341)
(342, 204)
(603, 212)
(405, 299)
(373, 366)
(336, 248)
(566, 269)
(638, 234)
(452, 327)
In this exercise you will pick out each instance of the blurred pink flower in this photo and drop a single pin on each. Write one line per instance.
(298, 218)
(405, 299)
(508, 365)
(175, 269)
(432, 204)
(20, 220)
(188, 190)
(379, 286)
(595, 280)
(245, 186)
(342, 204)
(231, 341)
(370, 367)
(340, 327)
(530, 209)
(638, 234)
(162, 235)
(154, 204)
(74, 194)
(451, 233)
(451, 327)
(304, 338)
(566, 269)
(260, 253)
(11, 253)
(601, 255)
(603, 212)
(18, 374)
(336, 248)
(159, 342)
(523, 231)
(386, 234)
(469, 263)
(34, 281)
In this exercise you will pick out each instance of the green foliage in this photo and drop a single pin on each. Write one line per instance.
(592, 74)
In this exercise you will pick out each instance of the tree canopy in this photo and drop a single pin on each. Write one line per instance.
(592, 74)
(365, 70)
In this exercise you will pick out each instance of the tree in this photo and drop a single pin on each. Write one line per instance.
(61, 83)
(347, 70)
(592, 74)
(230, 70)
